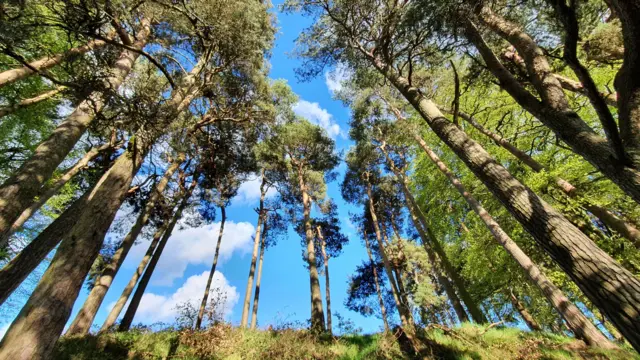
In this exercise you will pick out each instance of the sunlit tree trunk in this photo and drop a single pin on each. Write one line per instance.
(7, 110)
(256, 295)
(327, 289)
(524, 313)
(205, 297)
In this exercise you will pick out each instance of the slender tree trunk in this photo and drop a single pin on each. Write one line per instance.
(399, 275)
(18, 191)
(8, 110)
(34, 332)
(614, 290)
(317, 311)
(53, 190)
(13, 75)
(16, 270)
(383, 309)
(256, 295)
(612, 221)
(524, 313)
(205, 297)
(327, 289)
(82, 323)
(254, 256)
(127, 319)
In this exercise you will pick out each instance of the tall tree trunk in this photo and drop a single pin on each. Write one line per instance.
(205, 297)
(524, 313)
(582, 139)
(7, 110)
(34, 332)
(13, 75)
(608, 218)
(52, 190)
(82, 323)
(254, 256)
(317, 311)
(16, 270)
(614, 290)
(327, 289)
(383, 309)
(399, 274)
(18, 191)
(256, 295)
(576, 320)
(127, 319)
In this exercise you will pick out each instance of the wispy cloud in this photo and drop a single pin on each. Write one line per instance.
(335, 78)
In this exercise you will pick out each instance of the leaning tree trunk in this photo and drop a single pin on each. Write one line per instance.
(7, 110)
(35, 331)
(317, 312)
(327, 289)
(256, 295)
(127, 319)
(82, 323)
(575, 319)
(524, 313)
(254, 256)
(13, 75)
(52, 190)
(205, 297)
(383, 309)
(18, 191)
(614, 290)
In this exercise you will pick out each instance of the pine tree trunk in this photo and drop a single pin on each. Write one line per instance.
(205, 297)
(327, 289)
(13, 75)
(49, 192)
(254, 256)
(82, 323)
(35, 331)
(614, 290)
(16, 270)
(18, 191)
(383, 309)
(256, 295)
(524, 313)
(8, 110)
(317, 311)
(127, 319)
(399, 275)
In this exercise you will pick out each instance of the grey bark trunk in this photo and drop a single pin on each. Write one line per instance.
(205, 297)
(383, 309)
(524, 313)
(256, 295)
(327, 289)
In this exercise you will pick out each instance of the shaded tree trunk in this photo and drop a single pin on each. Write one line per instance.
(18, 191)
(13, 75)
(7, 110)
(383, 309)
(327, 289)
(127, 319)
(524, 313)
(82, 323)
(256, 295)
(205, 297)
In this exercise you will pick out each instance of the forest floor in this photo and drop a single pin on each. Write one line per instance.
(226, 342)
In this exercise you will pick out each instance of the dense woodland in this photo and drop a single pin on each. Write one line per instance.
(495, 159)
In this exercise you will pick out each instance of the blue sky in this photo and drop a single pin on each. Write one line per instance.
(184, 266)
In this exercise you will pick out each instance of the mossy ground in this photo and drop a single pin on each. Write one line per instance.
(226, 342)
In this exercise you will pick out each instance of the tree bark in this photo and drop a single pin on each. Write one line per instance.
(327, 289)
(524, 313)
(52, 190)
(383, 309)
(18, 191)
(127, 319)
(256, 295)
(614, 290)
(254, 256)
(8, 110)
(205, 297)
(82, 323)
(13, 75)
(34, 333)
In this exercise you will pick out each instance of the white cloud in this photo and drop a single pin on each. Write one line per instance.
(249, 192)
(196, 246)
(4, 329)
(334, 78)
(317, 115)
(162, 308)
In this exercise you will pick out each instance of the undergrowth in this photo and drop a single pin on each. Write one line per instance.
(229, 343)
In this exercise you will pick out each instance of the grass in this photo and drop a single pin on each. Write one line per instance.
(224, 342)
